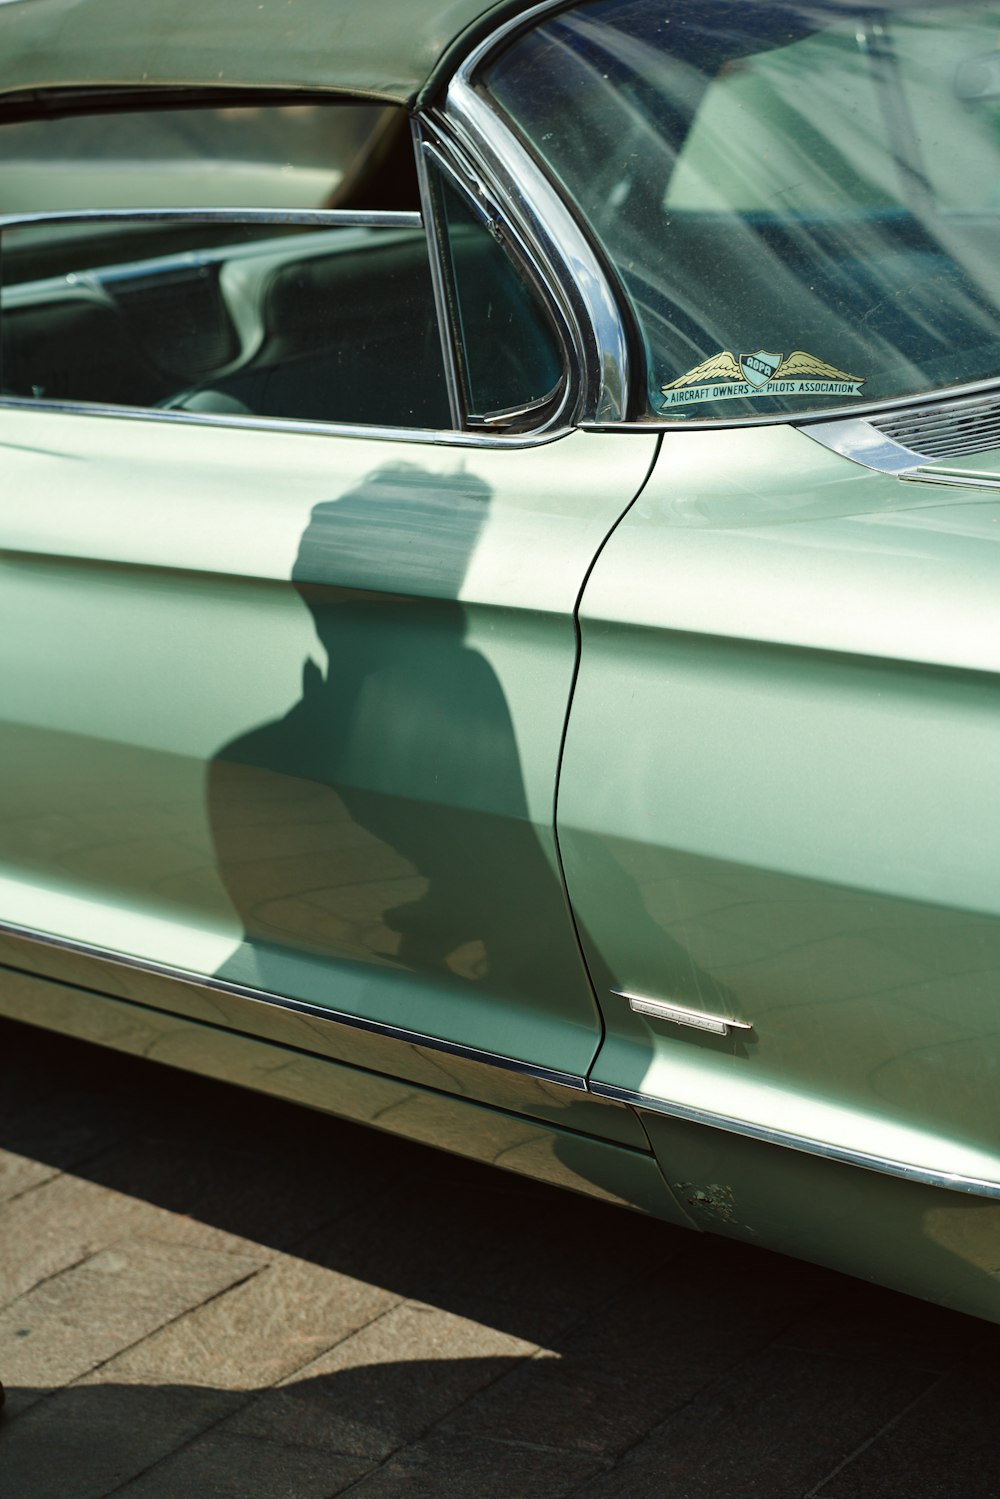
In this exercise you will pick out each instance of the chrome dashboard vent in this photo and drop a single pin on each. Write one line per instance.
(946, 430)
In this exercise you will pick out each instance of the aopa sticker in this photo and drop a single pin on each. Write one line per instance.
(723, 377)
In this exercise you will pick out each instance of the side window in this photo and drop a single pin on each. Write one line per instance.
(306, 322)
(224, 154)
(139, 305)
(315, 299)
(510, 362)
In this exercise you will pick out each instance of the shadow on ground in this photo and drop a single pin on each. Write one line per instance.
(511, 1339)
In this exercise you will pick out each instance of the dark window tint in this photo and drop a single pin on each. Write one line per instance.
(329, 325)
(509, 354)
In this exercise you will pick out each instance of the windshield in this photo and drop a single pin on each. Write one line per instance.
(801, 201)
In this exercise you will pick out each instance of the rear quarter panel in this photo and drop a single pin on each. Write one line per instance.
(779, 804)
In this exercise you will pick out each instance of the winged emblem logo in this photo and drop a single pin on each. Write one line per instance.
(726, 377)
(758, 368)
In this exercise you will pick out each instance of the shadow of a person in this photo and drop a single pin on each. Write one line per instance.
(383, 818)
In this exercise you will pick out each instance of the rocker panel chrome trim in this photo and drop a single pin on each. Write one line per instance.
(298, 1006)
(844, 1155)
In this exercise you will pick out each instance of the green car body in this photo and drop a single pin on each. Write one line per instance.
(596, 785)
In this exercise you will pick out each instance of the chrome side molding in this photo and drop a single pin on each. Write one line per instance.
(927, 1176)
(327, 1013)
(699, 1020)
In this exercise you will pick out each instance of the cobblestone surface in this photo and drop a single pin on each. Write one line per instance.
(209, 1295)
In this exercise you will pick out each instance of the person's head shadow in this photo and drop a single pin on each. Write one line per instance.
(402, 521)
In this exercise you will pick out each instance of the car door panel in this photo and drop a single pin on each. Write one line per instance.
(285, 711)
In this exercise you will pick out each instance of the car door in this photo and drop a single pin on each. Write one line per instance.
(285, 655)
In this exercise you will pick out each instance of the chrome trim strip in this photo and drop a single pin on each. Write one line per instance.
(446, 332)
(522, 21)
(571, 271)
(956, 478)
(478, 439)
(320, 218)
(924, 1176)
(858, 440)
(700, 1020)
(282, 1002)
(511, 413)
(863, 442)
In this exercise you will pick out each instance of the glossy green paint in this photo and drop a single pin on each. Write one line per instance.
(92, 977)
(598, 1168)
(385, 51)
(922, 1240)
(779, 799)
(287, 710)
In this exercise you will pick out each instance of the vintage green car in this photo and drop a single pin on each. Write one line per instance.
(500, 586)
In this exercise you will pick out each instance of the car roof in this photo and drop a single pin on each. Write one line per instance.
(385, 49)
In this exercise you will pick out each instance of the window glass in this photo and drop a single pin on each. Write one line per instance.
(238, 155)
(328, 325)
(510, 355)
(801, 200)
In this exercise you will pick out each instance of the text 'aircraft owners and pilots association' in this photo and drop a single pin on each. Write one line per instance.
(725, 377)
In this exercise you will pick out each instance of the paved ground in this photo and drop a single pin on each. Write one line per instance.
(204, 1293)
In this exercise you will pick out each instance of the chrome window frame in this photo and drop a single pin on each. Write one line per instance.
(568, 265)
(434, 149)
(554, 427)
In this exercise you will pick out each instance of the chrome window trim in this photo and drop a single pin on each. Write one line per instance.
(446, 331)
(451, 160)
(320, 218)
(513, 413)
(565, 261)
(281, 1002)
(433, 436)
(843, 1155)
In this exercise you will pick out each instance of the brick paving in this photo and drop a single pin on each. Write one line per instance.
(205, 1294)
